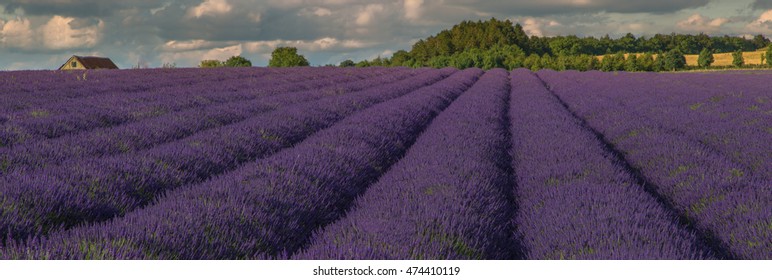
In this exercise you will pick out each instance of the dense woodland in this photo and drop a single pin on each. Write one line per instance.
(503, 44)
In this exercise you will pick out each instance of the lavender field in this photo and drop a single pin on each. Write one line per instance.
(385, 163)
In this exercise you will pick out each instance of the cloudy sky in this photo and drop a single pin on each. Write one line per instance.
(42, 34)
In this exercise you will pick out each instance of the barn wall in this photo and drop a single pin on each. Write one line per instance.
(68, 66)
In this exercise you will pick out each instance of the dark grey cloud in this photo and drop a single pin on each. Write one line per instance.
(554, 7)
(762, 4)
(76, 8)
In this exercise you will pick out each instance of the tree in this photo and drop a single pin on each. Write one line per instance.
(631, 65)
(646, 62)
(706, 58)
(547, 62)
(439, 61)
(286, 57)
(377, 61)
(768, 55)
(401, 58)
(674, 60)
(618, 61)
(532, 62)
(759, 41)
(607, 64)
(562, 62)
(659, 62)
(347, 63)
(238, 61)
(210, 63)
(737, 58)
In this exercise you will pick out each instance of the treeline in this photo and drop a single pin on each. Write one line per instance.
(502, 44)
(233, 61)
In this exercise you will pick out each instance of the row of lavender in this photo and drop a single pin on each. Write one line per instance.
(272, 205)
(96, 188)
(732, 120)
(448, 198)
(576, 199)
(458, 195)
(140, 135)
(510, 169)
(53, 119)
(667, 141)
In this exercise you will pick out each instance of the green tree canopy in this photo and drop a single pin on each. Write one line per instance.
(646, 62)
(674, 60)
(706, 58)
(347, 63)
(632, 64)
(286, 57)
(210, 63)
(479, 44)
(768, 55)
(737, 58)
(238, 61)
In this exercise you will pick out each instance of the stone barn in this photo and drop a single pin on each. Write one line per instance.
(88, 62)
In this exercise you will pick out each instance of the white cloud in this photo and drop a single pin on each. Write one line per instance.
(16, 33)
(223, 53)
(193, 57)
(159, 9)
(536, 26)
(413, 9)
(322, 44)
(188, 45)
(368, 13)
(580, 3)
(699, 23)
(322, 12)
(210, 8)
(763, 24)
(58, 34)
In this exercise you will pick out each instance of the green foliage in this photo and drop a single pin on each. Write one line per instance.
(469, 35)
(238, 61)
(286, 57)
(646, 62)
(768, 55)
(547, 61)
(585, 62)
(233, 61)
(439, 61)
(401, 58)
(506, 57)
(347, 63)
(659, 63)
(759, 41)
(619, 61)
(210, 63)
(706, 58)
(613, 62)
(737, 58)
(378, 61)
(631, 64)
(533, 62)
(485, 44)
(673, 60)
(606, 64)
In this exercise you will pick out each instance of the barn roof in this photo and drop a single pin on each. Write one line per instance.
(94, 62)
